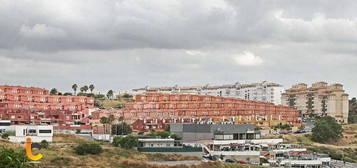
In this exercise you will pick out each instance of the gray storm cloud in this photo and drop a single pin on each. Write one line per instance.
(132, 43)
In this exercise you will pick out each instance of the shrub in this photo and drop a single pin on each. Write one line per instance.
(175, 136)
(88, 148)
(44, 144)
(13, 159)
(4, 135)
(163, 134)
(127, 142)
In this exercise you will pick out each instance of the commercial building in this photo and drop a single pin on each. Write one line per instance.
(155, 110)
(263, 91)
(197, 132)
(320, 99)
(29, 105)
(158, 143)
(19, 133)
(37, 133)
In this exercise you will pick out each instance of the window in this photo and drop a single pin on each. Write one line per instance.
(45, 131)
(32, 131)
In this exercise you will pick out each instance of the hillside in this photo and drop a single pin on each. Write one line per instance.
(345, 148)
(61, 154)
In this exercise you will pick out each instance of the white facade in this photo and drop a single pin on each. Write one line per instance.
(157, 143)
(37, 133)
(264, 91)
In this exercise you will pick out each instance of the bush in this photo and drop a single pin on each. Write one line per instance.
(88, 148)
(13, 159)
(163, 134)
(4, 135)
(127, 142)
(283, 127)
(326, 130)
(44, 144)
(176, 137)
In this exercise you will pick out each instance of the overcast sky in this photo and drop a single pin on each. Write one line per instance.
(125, 44)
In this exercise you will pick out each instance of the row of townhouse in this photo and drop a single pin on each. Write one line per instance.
(43, 106)
(172, 108)
(23, 90)
(320, 99)
(53, 117)
(45, 98)
(29, 105)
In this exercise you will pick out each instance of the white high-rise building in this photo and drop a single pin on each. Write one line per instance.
(264, 91)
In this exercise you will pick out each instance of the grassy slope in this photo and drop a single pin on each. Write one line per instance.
(114, 103)
(61, 154)
(344, 148)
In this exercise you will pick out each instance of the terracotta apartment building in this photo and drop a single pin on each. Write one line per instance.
(153, 111)
(25, 105)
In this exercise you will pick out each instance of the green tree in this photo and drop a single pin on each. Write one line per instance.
(53, 91)
(11, 158)
(74, 87)
(91, 88)
(121, 129)
(352, 113)
(326, 130)
(110, 94)
(127, 142)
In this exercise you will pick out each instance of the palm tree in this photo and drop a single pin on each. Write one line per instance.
(110, 119)
(104, 121)
(82, 89)
(74, 87)
(91, 88)
(85, 88)
(110, 94)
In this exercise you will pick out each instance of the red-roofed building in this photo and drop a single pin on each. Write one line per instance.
(155, 110)
(29, 105)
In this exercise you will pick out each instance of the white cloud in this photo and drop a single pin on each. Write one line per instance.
(195, 52)
(319, 27)
(248, 59)
(41, 31)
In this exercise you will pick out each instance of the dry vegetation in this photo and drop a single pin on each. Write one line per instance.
(61, 154)
(345, 148)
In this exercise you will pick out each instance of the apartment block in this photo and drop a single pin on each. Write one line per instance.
(320, 99)
(29, 105)
(154, 110)
(263, 91)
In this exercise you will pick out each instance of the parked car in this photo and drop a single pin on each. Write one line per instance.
(229, 161)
